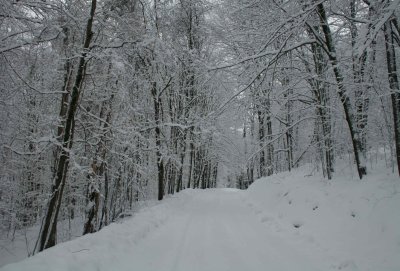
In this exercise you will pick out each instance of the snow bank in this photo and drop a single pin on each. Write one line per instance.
(356, 223)
(16, 246)
(104, 248)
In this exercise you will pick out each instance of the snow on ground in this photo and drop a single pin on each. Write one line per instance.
(289, 221)
(16, 246)
(354, 222)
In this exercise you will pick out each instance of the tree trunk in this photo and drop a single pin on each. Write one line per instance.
(289, 128)
(191, 159)
(270, 146)
(93, 203)
(160, 162)
(98, 168)
(344, 98)
(394, 86)
(321, 94)
(362, 84)
(48, 233)
(261, 138)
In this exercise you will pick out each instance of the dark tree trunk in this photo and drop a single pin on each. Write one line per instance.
(48, 233)
(394, 86)
(361, 81)
(321, 95)
(180, 173)
(94, 200)
(104, 211)
(289, 128)
(98, 168)
(270, 146)
(261, 137)
(160, 162)
(191, 160)
(344, 98)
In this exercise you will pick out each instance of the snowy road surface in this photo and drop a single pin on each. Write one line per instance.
(217, 231)
(195, 230)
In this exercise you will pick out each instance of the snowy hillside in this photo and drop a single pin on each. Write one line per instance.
(354, 223)
(289, 221)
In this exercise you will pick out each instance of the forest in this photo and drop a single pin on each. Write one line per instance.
(108, 103)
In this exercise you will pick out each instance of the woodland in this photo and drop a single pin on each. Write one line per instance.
(108, 103)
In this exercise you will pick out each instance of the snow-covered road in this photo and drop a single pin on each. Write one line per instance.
(216, 230)
(195, 230)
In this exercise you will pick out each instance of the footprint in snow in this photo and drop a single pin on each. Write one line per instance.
(297, 224)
